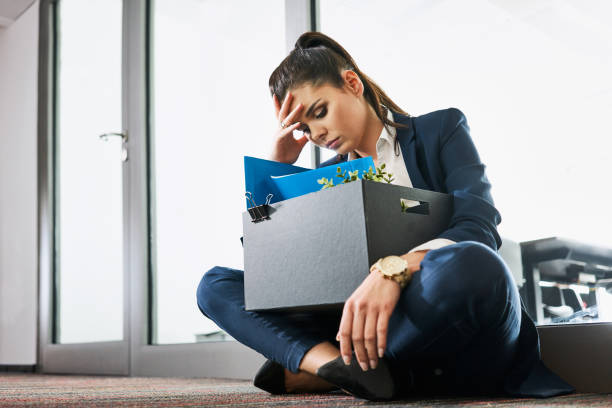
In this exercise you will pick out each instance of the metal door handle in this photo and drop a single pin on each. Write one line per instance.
(124, 138)
(105, 136)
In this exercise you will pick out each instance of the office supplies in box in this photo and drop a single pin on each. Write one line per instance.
(285, 181)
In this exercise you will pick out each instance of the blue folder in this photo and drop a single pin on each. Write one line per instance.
(286, 181)
(257, 179)
(295, 185)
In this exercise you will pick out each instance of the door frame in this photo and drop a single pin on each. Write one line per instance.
(107, 357)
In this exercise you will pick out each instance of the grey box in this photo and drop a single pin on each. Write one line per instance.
(316, 249)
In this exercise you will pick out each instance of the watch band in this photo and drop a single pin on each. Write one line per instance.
(402, 278)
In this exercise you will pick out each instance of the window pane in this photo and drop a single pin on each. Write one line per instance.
(212, 60)
(89, 253)
(533, 79)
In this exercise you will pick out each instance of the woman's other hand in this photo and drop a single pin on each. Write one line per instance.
(365, 318)
(286, 148)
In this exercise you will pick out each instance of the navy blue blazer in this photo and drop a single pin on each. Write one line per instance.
(440, 155)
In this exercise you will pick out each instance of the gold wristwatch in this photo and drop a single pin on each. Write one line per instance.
(393, 268)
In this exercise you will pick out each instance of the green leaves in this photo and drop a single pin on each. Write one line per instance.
(379, 176)
(326, 183)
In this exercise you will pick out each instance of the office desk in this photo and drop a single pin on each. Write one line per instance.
(595, 261)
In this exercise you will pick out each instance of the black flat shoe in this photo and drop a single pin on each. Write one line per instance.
(271, 378)
(373, 385)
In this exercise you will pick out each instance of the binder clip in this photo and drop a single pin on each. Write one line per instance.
(258, 212)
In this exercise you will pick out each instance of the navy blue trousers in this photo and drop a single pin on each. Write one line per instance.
(455, 327)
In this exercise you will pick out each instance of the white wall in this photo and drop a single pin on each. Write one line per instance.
(18, 184)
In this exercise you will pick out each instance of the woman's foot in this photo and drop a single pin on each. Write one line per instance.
(322, 370)
(306, 382)
(375, 384)
(317, 356)
(324, 362)
(275, 379)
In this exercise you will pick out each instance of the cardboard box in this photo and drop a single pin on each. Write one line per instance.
(316, 249)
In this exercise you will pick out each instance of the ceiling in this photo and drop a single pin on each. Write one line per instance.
(10, 10)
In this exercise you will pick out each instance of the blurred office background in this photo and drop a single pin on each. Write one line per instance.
(103, 240)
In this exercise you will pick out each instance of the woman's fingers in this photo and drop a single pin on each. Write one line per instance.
(276, 104)
(382, 326)
(365, 320)
(285, 107)
(284, 117)
(346, 333)
(369, 337)
(289, 118)
(359, 319)
(288, 131)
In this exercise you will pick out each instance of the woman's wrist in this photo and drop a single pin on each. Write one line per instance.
(393, 268)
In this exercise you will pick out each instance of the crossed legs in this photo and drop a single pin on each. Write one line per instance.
(460, 317)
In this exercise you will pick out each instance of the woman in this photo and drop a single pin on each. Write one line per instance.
(458, 326)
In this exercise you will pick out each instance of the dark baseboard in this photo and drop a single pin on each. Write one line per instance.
(580, 354)
(17, 368)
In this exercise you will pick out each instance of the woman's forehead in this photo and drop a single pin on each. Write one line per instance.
(308, 94)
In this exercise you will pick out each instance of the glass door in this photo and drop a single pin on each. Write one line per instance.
(210, 106)
(86, 163)
(88, 173)
(208, 113)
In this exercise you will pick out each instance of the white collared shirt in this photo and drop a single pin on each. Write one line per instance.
(385, 150)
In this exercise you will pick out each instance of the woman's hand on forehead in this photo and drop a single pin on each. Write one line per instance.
(284, 113)
(286, 148)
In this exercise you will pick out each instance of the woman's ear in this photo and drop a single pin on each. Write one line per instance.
(352, 82)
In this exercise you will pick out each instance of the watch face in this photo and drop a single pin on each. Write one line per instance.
(393, 265)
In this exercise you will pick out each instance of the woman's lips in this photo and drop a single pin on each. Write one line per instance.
(333, 143)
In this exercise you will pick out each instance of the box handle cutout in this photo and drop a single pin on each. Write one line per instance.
(414, 206)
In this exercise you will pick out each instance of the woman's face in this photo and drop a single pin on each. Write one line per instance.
(331, 117)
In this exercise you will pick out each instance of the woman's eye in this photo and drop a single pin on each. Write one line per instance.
(304, 129)
(321, 113)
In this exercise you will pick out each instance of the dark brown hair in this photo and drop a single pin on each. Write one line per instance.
(317, 60)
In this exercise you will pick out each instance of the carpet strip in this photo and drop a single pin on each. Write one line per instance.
(45, 390)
